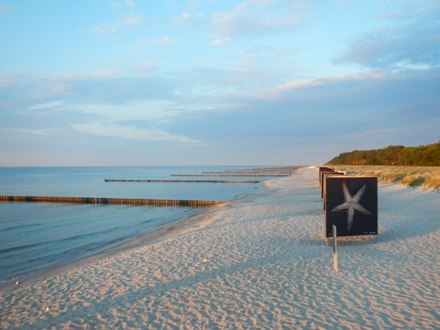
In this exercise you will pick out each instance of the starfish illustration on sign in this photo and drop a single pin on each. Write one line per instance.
(351, 204)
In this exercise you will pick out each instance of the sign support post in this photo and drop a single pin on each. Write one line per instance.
(335, 250)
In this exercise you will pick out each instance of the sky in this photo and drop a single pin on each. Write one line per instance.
(193, 82)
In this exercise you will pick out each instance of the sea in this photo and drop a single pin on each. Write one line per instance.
(35, 237)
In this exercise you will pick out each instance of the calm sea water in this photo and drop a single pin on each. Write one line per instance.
(38, 236)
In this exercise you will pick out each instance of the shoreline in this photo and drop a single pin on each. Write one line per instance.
(258, 262)
(129, 242)
(172, 228)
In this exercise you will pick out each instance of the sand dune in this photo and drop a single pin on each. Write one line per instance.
(260, 262)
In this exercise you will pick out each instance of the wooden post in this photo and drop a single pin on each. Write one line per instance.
(97, 200)
(335, 250)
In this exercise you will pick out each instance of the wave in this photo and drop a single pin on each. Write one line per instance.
(21, 227)
(55, 258)
(55, 242)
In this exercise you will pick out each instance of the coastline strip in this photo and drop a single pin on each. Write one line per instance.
(181, 181)
(267, 172)
(117, 201)
(231, 175)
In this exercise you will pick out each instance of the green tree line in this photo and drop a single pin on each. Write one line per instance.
(428, 155)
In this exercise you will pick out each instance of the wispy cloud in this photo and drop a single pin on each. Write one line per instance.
(121, 3)
(249, 18)
(3, 7)
(162, 40)
(32, 131)
(5, 80)
(47, 105)
(130, 132)
(156, 41)
(101, 88)
(326, 81)
(409, 45)
(194, 19)
(335, 107)
(102, 103)
(221, 41)
(125, 21)
(253, 18)
(153, 111)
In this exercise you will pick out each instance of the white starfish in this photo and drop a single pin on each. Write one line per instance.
(351, 204)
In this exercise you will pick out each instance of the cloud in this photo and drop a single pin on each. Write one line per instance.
(162, 40)
(400, 107)
(125, 21)
(29, 91)
(141, 99)
(3, 8)
(32, 131)
(154, 111)
(130, 132)
(412, 45)
(157, 41)
(221, 41)
(326, 81)
(250, 18)
(254, 18)
(186, 18)
(129, 108)
(121, 3)
(48, 105)
(6, 81)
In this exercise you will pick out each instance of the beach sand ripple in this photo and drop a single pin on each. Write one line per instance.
(259, 262)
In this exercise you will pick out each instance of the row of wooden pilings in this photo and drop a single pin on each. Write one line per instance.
(115, 201)
(233, 174)
(181, 181)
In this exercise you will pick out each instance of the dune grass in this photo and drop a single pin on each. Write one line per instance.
(412, 176)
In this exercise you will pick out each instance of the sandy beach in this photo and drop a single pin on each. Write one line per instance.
(258, 262)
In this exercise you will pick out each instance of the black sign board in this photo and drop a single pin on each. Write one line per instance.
(351, 205)
(325, 175)
(322, 169)
(322, 172)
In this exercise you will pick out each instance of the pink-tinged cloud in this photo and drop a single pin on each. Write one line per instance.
(310, 83)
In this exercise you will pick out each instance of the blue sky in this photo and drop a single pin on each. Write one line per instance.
(187, 82)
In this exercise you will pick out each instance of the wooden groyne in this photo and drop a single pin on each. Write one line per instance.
(182, 181)
(114, 201)
(255, 172)
(231, 175)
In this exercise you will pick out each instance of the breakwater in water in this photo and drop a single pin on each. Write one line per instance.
(116, 201)
(232, 175)
(182, 181)
(266, 172)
